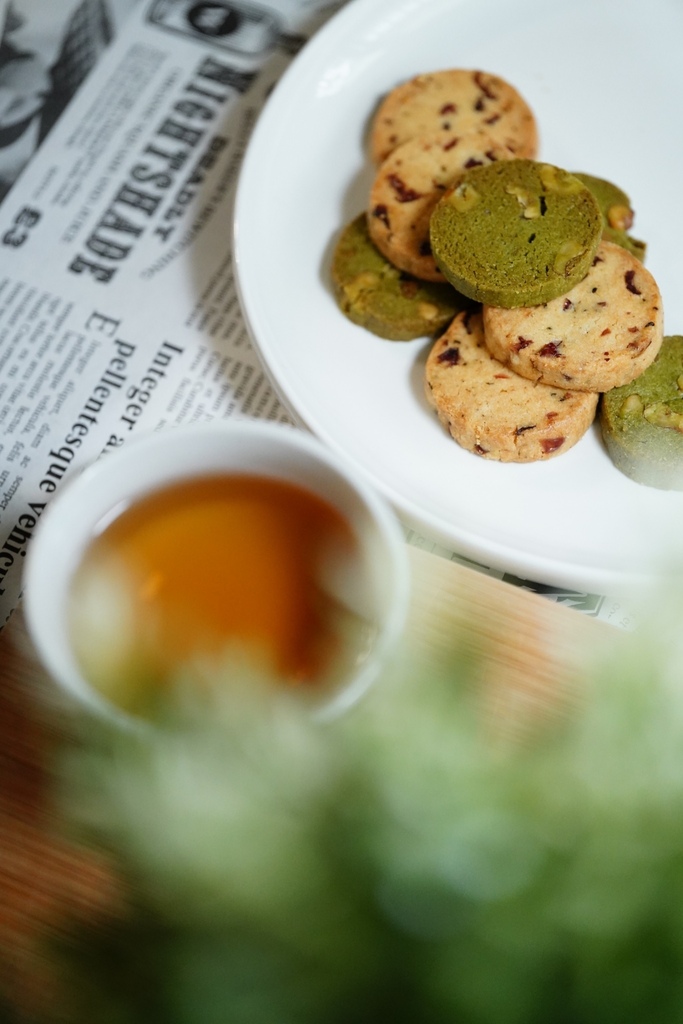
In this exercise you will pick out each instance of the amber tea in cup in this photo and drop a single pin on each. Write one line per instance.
(213, 572)
(200, 552)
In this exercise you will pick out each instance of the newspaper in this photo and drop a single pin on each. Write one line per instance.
(118, 307)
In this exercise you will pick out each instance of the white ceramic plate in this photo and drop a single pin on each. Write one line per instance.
(603, 79)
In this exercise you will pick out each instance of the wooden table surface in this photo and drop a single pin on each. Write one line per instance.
(531, 649)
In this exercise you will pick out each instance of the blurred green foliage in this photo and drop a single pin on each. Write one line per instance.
(402, 863)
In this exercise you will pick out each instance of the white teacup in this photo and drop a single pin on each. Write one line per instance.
(157, 460)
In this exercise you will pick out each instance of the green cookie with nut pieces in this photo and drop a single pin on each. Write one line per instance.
(373, 293)
(515, 232)
(617, 214)
(642, 422)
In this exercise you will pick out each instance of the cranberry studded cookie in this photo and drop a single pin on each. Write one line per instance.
(515, 232)
(491, 411)
(409, 184)
(602, 334)
(642, 422)
(458, 101)
(373, 293)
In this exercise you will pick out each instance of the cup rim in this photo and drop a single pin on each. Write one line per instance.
(54, 553)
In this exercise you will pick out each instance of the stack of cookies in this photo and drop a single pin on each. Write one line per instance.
(528, 270)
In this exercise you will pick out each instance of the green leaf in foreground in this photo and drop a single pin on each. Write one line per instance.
(399, 864)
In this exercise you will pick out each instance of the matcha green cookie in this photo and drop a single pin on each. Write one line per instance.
(515, 232)
(642, 422)
(373, 293)
(617, 213)
(409, 184)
